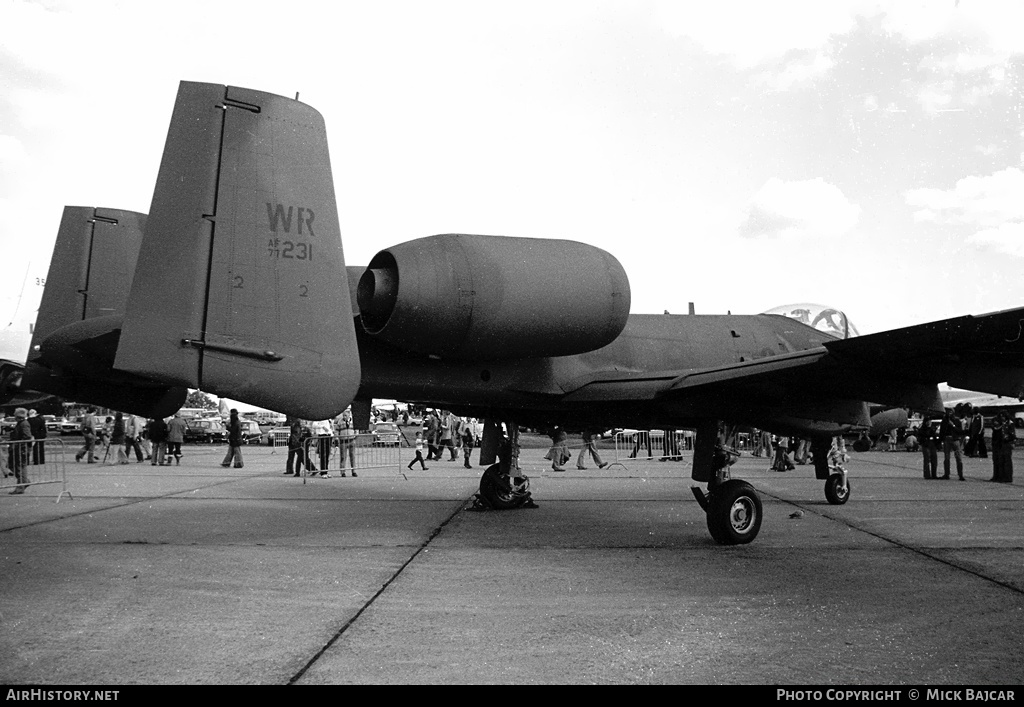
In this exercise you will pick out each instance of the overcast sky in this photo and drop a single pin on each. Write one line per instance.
(740, 155)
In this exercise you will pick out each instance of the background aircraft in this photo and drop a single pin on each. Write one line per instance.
(240, 289)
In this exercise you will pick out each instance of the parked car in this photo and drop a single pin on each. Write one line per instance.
(52, 423)
(386, 434)
(70, 425)
(251, 432)
(278, 436)
(205, 431)
(7, 425)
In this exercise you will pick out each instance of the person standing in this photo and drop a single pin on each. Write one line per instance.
(929, 441)
(175, 436)
(950, 432)
(38, 427)
(323, 434)
(346, 441)
(1004, 436)
(234, 442)
(158, 438)
(88, 429)
(18, 456)
(295, 459)
(976, 440)
(467, 445)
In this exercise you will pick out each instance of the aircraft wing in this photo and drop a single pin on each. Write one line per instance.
(901, 367)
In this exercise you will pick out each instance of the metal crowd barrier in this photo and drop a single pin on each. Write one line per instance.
(651, 444)
(32, 462)
(353, 453)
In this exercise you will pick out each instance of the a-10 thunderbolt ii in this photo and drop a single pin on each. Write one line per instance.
(239, 288)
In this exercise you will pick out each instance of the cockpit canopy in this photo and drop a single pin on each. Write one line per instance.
(823, 318)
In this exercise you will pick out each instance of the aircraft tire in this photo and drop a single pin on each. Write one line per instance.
(734, 513)
(835, 493)
(497, 490)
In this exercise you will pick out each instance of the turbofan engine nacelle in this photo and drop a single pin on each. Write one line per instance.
(459, 296)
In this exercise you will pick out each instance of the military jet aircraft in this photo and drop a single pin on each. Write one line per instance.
(240, 288)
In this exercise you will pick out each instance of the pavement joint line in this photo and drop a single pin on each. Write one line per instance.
(919, 551)
(337, 636)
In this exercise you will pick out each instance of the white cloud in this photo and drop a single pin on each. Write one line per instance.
(798, 73)
(988, 201)
(12, 152)
(1006, 238)
(753, 32)
(810, 208)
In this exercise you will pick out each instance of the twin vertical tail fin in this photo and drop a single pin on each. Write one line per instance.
(81, 311)
(240, 287)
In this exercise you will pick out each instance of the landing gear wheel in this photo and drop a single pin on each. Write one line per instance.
(496, 489)
(836, 491)
(734, 513)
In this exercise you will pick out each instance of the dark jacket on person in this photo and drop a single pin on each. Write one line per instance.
(234, 432)
(157, 430)
(38, 427)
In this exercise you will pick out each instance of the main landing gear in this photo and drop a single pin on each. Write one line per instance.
(732, 506)
(829, 457)
(503, 486)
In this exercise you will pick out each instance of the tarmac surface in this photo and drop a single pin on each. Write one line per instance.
(197, 574)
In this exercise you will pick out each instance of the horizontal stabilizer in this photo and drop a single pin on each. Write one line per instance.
(241, 286)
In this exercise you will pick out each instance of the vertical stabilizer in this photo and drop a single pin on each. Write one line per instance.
(81, 311)
(241, 286)
(91, 267)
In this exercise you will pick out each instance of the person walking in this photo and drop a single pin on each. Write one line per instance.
(117, 437)
(467, 445)
(88, 429)
(445, 436)
(559, 453)
(589, 447)
(641, 438)
(419, 453)
(133, 428)
(234, 441)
